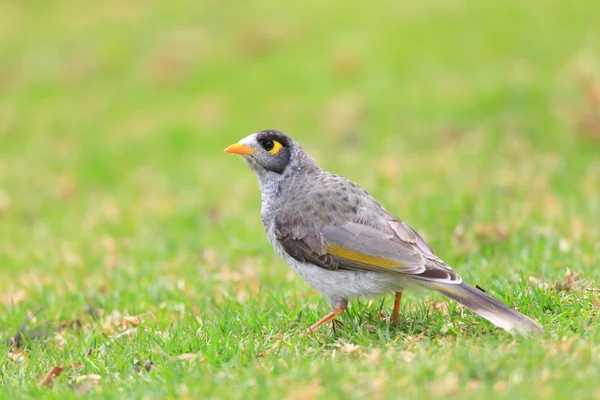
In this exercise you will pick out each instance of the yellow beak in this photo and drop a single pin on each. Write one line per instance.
(239, 148)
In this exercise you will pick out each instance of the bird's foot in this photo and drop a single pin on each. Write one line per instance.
(336, 324)
(329, 317)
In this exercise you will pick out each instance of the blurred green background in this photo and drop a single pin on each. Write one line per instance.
(478, 123)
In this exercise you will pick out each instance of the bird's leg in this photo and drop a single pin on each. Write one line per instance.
(329, 317)
(396, 313)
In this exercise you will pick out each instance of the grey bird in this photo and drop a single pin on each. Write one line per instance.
(343, 243)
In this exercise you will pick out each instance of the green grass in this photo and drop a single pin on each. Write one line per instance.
(477, 123)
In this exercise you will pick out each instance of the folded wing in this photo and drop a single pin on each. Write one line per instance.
(360, 247)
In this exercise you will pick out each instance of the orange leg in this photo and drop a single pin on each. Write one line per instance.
(396, 313)
(327, 318)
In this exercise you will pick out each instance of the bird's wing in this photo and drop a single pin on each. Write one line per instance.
(360, 247)
(435, 268)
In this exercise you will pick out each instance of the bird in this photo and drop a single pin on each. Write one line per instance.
(346, 245)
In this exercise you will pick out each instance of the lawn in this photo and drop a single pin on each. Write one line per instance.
(132, 255)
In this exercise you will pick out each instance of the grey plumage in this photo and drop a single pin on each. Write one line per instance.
(343, 242)
(485, 305)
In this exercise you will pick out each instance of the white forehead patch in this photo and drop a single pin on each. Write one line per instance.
(249, 140)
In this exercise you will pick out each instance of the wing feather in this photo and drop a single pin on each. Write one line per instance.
(435, 268)
(360, 247)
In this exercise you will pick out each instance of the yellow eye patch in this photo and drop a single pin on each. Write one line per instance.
(276, 147)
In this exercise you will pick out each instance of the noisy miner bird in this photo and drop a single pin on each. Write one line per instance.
(343, 242)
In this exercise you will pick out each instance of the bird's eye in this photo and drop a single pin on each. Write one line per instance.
(272, 146)
(268, 145)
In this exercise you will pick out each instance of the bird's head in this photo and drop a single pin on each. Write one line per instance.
(272, 155)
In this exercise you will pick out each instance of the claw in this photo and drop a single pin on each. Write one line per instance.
(329, 317)
(335, 323)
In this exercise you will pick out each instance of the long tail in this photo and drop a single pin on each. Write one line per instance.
(485, 305)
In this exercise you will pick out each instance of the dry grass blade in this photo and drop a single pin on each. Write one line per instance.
(189, 356)
(570, 281)
(48, 379)
(11, 298)
(16, 355)
(130, 321)
(86, 383)
(91, 377)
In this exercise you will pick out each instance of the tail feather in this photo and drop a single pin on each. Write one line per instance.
(485, 305)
